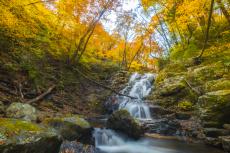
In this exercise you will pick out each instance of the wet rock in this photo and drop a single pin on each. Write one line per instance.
(122, 121)
(213, 142)
(215, 132)
(22, 111)
(183, 116)
(158, 111)
(20, 136)
(72, 128)
(226, 143)
(192, 128)
(76, 147)
(163, 126)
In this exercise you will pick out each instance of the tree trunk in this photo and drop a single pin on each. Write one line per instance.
(136, 54)
(224, 11)
(207, 31)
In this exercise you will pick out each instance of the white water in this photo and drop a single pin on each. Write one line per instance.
(111, 142)
(108, 141)
(139, 86)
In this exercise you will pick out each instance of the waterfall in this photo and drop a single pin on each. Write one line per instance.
(109, 141)
(139, 86)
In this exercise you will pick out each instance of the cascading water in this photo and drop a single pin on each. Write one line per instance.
(139, 86)
(108, 141)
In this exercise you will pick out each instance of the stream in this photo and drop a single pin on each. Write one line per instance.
(109, 141)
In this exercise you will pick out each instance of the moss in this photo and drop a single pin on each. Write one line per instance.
(215, 106)
(20, 131)
(199, 75)
(171, 86)
(15, 125)
(185, 105)
(214, 85)
(75, 119)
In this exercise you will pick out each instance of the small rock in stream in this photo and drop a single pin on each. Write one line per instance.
(76, 147)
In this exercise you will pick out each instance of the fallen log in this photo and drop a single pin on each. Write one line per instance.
(189, 85)
(104, 86)
(40, 97)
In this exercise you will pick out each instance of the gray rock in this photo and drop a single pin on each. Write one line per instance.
(158, 111)
(213, 141)
(226, 143)
(72, 128)
(215, 132)
(163, 126)
(122, 121)
(75, 147)
(22, 111)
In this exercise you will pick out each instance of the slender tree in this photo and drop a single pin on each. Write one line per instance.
(207, 30)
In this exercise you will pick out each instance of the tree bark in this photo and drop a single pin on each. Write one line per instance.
(207, 31)
(223, 9)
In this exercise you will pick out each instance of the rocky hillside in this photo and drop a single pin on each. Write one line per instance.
(199, 90)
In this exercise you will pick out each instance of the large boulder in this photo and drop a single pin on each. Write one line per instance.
(215, 106)
(20, 136)
(122, 121)
(201, 74)
(71, 128)
(171, 86)
(22, 111)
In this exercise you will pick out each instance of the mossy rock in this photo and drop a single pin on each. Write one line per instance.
(215, 106)
(72, 127)
(214, 85)
(122, 121)
(185, 105)
(20, 136)
(199, 75)
(22, 111)
(171, 86)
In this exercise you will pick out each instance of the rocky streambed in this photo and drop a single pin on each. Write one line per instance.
(134, 126)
